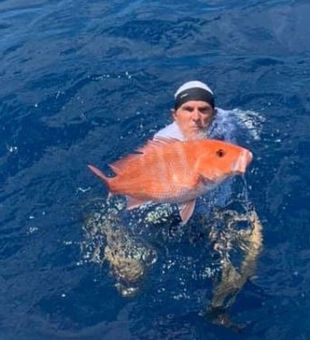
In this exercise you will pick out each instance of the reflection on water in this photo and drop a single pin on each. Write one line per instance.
(236, 237)
(233, 276)
(107, 239)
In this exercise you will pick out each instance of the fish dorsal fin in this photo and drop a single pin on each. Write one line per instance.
(119, 166)
(133, 202)
(150, 146)
(186, 210)
(165, 140)
(157, 142)
(115, 168)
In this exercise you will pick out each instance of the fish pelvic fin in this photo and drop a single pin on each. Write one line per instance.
(207, 181)
(186, 210)
(134, 202)
(101, 175)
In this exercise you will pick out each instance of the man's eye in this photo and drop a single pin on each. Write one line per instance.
(206, 111)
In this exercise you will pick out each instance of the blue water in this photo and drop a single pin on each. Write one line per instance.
(89, 81)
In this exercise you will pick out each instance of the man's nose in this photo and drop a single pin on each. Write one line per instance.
(195, 115)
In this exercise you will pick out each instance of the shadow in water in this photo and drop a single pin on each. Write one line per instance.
(232, 280)
(236, 238)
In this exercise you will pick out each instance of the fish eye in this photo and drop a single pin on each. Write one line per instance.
(220, 153)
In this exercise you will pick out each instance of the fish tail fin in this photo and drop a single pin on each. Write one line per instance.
(101, 175)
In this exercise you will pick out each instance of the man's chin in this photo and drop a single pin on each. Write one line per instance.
(197, 133)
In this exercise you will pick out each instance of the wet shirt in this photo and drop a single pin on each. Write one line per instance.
(217, 130)
(170, 131)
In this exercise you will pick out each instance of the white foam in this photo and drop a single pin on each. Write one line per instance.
(252, 120)
(228, 124)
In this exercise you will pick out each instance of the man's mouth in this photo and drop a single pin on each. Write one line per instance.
(196, 127)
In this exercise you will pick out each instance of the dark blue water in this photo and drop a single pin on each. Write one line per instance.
(89, 81)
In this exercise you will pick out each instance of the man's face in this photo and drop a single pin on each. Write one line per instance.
(193, 118)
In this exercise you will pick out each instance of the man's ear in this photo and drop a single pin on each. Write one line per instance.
(173, 113)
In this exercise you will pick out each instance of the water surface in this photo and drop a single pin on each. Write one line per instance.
(89, 81)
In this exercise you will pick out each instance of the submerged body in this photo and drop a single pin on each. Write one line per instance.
(173, 171)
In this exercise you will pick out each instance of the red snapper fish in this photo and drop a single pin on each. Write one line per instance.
(173, 171)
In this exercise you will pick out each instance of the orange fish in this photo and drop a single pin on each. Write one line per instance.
(173, 171)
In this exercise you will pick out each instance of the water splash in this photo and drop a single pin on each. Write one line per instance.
(230, 124)
(253, 122)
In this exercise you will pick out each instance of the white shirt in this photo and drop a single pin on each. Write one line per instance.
(223, 127)
(170, 131)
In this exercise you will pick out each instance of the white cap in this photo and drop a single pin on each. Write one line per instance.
(192, 84)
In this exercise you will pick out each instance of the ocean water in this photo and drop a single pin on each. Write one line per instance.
(89, 81)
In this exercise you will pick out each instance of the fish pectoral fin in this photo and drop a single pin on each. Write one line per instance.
(133, 202)
(186, 210)
(206, 181)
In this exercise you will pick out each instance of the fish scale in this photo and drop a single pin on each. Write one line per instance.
(168, 170)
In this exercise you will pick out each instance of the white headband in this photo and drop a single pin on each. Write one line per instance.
(193, 84)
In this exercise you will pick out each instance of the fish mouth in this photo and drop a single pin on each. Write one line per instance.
(242, 162)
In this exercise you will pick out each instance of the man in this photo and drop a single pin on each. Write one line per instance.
(193, 112)
(196, 117)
